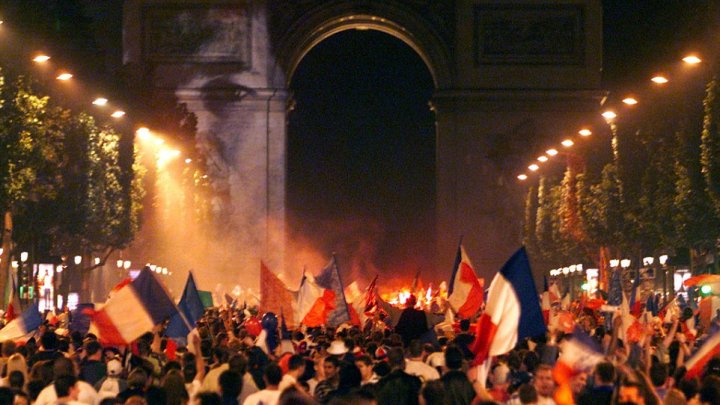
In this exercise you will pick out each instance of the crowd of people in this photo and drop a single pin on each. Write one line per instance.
(222, 363)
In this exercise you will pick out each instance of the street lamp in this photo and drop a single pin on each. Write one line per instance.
(24, 282)
(614, 262)
(663, 262)
(648, 261)
(78, 260)
(625, 263)
(119, 263)
(126, 264)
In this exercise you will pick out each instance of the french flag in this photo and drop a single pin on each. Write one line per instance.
(707, 351)
(132, 310)
(579, 354)
(20, 327)
(512, 312)
(191, 310)
(465, 293)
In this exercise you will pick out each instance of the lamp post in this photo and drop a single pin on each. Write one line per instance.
(24, 282)
(663, 263)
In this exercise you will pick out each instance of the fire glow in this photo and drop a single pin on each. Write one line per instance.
(425, 297)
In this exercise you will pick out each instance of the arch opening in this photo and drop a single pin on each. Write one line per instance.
(361, 155)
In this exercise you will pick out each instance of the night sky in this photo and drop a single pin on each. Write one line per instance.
(361, 137)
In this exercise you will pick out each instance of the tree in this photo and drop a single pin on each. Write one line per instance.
(100, 196)
(31, 145)
(529, 235)
(696, 219)
(710, 142)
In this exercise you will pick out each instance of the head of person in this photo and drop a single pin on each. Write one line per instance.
(658, 374)
(296, 364)
(63, 366)
(499, 376)
(66, 387)
(415, 350)
(604, 373)
(411, 301)
(464, 325)
(230, 384)
(8, 348)
(331, 366)
(365, 365)
(578, 382)
(349, 376)
(207, 398)
(238, 363)
(631, 393)
(48, 341)
(272, 374)
(453, 357)
(174, 385)
(396, 358)
(433, 393)
(138, 378)
(544, 383)
(527, 394)
(93, 350)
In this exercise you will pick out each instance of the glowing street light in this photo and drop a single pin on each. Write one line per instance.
(551, 152)
(692, 60)
(663, 259)
(97, 260)
(126, 264)
(609, 115)
(100, 101)
(542, 158)
(119, 264)
(64, 76)
(533, 167)
(660, 79)
(143, 133)
(118, 114)
(625, 263)
(522, 177)
(188, 160)
(614, 262)
(630, 101)
(78, 259)
(585, 132)
(567, 143)
(648, 261)
(23, 256)
(41, 58)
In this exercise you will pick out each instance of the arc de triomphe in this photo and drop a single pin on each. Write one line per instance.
(507, 74)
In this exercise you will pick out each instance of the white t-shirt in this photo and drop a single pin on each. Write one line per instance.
(422, 370)
(263, 397)
(287, 381)
(87, 394)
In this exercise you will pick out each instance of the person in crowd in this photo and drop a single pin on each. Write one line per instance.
(414, 364)
(602, 390)
(296, 368)
(63, 366)
(365, 364)
(67, 391)
(412, 323)
(269, 395)
(92, 368)
(331, 371)
(398, 387)
(230, 387)
(544, 385)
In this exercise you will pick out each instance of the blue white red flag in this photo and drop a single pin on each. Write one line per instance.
(329, 279)
(465, 291)
(580, 353)
(191, 309)
(132, 310)
(28, 321)
(696, 364)
(512, 312)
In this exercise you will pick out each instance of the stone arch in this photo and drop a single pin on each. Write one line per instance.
(404, 24)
